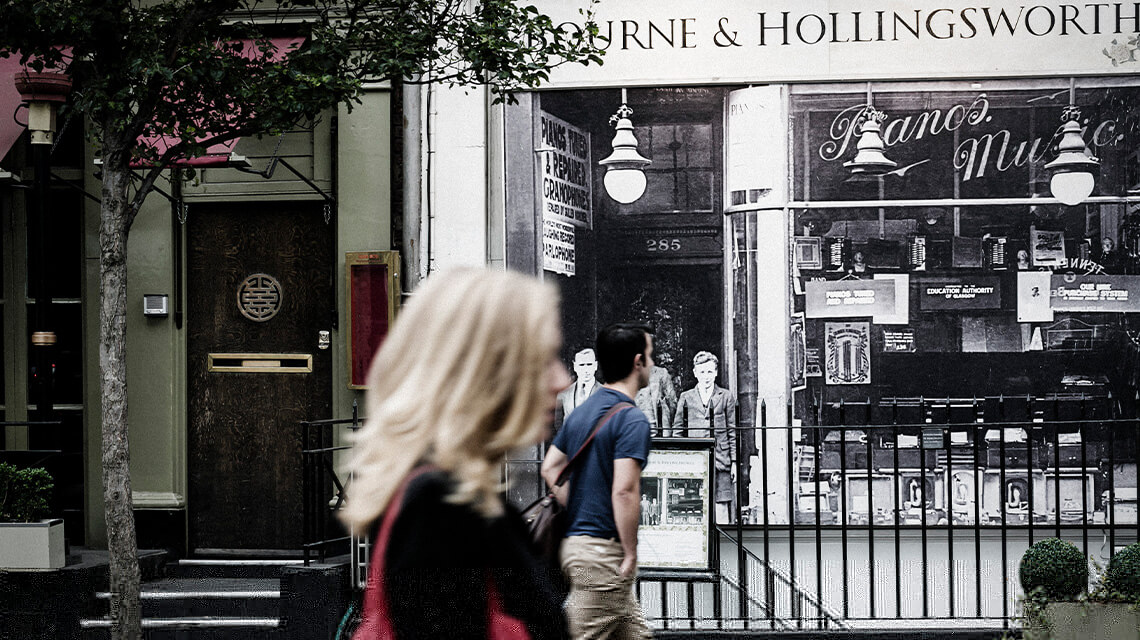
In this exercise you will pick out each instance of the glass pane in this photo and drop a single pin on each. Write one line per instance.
(60, 451)
(680, 177)
(960, 145)
(66, 356)
(64, 244)
(3, 358)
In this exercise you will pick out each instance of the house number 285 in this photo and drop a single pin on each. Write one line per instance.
(663, 244)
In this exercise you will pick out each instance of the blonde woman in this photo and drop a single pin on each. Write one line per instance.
(470, 371)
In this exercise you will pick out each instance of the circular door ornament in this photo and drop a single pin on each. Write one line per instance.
(259, 297)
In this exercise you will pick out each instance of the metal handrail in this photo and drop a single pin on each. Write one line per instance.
(827, 616)
(322, 533)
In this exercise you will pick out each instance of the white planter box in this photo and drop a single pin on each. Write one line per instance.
(1088, 621)
(32, 545)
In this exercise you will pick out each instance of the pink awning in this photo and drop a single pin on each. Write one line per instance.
(10, 129)
(217, 154)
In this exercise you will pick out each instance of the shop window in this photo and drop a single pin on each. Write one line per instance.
(680, 178)
(658, 260)
(64, 244)
(985, 144)
(959, 265)
(67, 354)
(58, 447)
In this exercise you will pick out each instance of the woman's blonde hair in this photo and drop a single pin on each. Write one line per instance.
(458, 382)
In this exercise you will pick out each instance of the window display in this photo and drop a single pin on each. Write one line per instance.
(1021, 306)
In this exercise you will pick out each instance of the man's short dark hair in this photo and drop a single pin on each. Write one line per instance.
(617, 345)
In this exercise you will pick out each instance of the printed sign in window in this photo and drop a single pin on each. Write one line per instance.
(849, 298)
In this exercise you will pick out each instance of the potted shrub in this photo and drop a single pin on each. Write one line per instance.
(1054, 574)
(26, 541)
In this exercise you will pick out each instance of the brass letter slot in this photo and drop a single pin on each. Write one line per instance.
(259, 362)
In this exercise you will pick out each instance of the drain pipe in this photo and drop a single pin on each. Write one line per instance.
(412, 150)
(416, 216)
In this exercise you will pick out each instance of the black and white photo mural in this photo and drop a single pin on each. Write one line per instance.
(866, 296)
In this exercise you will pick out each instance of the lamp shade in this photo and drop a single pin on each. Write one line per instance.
(624, 185)
(869, 156)
(625, 178)
(1071, 187)
(1073, 170)
(43, 86)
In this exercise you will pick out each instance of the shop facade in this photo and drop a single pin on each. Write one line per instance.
(928, 355)
(236, 324)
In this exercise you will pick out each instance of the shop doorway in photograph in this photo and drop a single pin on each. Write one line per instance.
(259, 294)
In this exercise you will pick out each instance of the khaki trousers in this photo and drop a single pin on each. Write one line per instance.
(601, 603)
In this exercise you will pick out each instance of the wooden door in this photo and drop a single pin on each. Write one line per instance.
(259, 292)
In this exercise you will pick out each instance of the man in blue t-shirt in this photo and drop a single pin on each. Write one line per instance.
(602, 497)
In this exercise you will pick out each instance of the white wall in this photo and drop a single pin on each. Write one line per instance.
(456, 207)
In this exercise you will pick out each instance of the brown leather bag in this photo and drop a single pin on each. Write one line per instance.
(548, 520)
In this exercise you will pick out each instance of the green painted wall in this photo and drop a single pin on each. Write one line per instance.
(346, 154)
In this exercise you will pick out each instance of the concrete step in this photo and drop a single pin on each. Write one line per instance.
(229, 568)
(193, 627)
(219, 597)
(925, 633)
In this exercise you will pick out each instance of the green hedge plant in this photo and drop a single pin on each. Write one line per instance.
(1055, 569)
(1122, 577)
(24, 493)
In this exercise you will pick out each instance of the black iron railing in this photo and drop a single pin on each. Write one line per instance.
(902, 510)
(27, 457)
(752, 595)
(906, 509)
(920, 508)
(323, 491)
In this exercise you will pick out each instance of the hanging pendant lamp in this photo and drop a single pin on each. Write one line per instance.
(869, 158)
(625, 175)
(1074, 168)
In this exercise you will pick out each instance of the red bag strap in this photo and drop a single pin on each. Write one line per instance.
(379, 623)
(500, 624)
(598, 427)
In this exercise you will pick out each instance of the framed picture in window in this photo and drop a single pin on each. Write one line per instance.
(808, 253)
(677, 515)
(1047, 247)
(373, 295)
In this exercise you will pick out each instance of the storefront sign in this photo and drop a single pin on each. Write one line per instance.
(566, 178)
(847, 349)
(898, 340)
(849, 298)
(558, 247)
(756, 150)
(675, 519)
(971, 292)
(1119, 294)
(676, 42)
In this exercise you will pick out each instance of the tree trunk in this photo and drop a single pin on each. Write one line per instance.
(114, 224)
